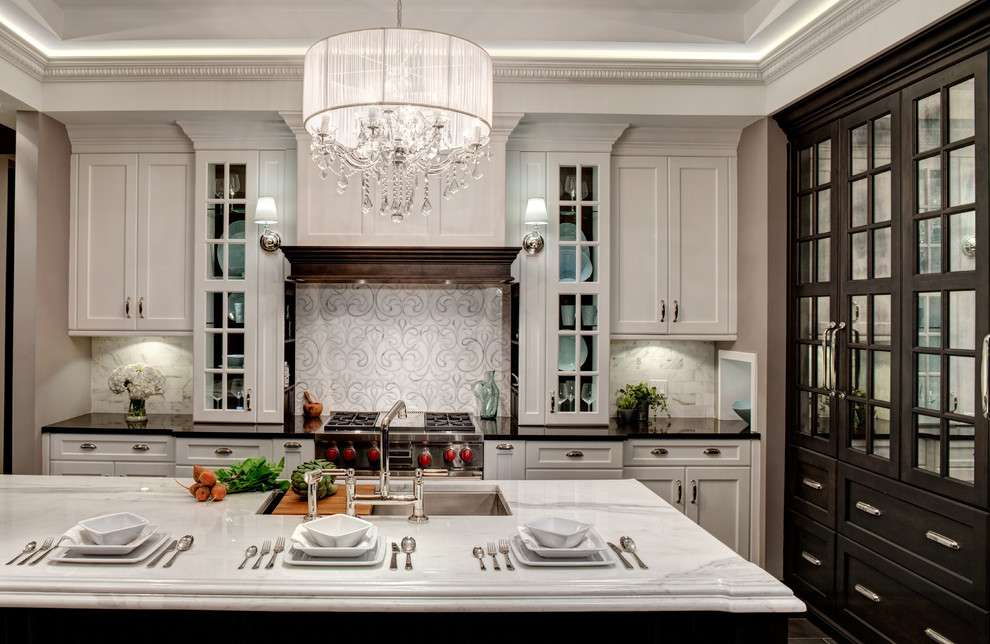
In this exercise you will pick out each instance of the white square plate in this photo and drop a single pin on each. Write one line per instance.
(527, 558)
(139, 554)
(592, 543)
(295, 557)
(77, 541)
(304, 543)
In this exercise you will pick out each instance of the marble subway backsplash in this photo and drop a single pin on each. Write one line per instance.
(686, 369)
(172, 355)
(362, 348)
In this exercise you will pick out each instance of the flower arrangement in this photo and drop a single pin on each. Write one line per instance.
(140, 382)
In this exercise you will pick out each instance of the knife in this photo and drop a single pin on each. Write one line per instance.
(618, 553)
(171, 547)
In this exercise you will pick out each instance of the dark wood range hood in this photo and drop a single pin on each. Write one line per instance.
(468, 265)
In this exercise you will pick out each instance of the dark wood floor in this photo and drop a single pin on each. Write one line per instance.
(802, 631)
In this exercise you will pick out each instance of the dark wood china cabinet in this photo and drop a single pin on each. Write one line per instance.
(889, 316)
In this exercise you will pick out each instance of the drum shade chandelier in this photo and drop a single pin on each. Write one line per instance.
(399, 107)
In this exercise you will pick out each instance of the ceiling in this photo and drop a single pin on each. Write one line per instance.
(618, 29)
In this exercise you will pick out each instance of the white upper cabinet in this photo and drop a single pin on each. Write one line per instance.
(673, 240)
(131, 227)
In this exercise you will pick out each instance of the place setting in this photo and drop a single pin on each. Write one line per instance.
(556, 542)
(338, 540)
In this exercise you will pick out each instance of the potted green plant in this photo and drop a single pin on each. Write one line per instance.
(646, 398)
(627, 408)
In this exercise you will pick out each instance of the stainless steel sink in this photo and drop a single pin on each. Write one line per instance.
(453, 504)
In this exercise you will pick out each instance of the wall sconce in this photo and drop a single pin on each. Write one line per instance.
(266, 214)
(536, 216)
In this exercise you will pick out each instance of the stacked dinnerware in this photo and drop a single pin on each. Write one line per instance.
(560, 542)
(336, 540)
(120, 538)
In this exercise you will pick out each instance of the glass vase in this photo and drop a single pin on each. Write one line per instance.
(487, 394)
(137, 412)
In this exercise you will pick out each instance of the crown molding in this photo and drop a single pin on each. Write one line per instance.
(155, 69)
(678, 141)
(538, 135)
(16, 51)
(214, 134)
(127, 137)
(598, 72)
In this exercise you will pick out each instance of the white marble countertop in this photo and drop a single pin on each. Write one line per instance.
(689, 570)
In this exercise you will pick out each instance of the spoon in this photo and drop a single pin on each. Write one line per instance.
(408, 547)
(250, 552)
(185, 543)
(28, 549)
(630, 546)
(479, 554)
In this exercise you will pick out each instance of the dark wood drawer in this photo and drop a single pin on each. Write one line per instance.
(810, 552)
(884, 602)
(943, 541)
(811, 485)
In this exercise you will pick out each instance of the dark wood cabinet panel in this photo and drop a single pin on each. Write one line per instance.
(810, 558)
(811, 485)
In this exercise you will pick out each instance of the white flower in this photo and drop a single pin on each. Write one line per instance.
(138, 380)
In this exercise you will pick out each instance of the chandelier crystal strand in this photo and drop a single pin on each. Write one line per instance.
(400, 107)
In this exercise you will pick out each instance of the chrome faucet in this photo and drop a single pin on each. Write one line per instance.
(384, 495)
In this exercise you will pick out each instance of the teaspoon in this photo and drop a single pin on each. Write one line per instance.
(250, 552)
(28, 549)
(408, 547)
(630, 546)
(479, 554)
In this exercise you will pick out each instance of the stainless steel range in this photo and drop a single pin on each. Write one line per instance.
(442, 444)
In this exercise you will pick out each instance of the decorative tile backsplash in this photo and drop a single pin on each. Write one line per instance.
(686, 368)
(172, 355)
(362, 348)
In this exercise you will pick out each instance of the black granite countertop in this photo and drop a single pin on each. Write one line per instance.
(660, 428)
(179, 425)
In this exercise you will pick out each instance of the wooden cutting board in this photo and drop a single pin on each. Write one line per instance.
(292, 503)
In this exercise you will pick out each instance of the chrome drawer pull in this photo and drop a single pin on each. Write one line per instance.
(140, 447)
(223, 451)
(810, 558)
(866, 592)
(574, 453)
(942, 540)
(292, 445)
(712, 451)
(937, 637)
(505, 447)
(867, 508)
(659, 451)
(812, 483)
(87, 446)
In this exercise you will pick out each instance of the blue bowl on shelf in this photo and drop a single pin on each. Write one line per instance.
(742, 409)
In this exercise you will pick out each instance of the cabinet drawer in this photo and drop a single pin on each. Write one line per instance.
(943, 541)
(689, 453)
(811, 485)
(560, 474)
(888, 603)
(101, 447)
(573, 455)
(810, 552)
(220, 451)
(81, 468)
(144, 469)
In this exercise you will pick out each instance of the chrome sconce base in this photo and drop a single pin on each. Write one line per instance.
(270, 241)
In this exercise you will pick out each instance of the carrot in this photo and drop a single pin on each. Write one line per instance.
(219, 492)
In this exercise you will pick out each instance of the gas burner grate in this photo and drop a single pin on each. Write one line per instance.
(351, 419)
(457, 420)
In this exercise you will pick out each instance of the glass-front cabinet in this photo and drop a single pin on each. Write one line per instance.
(577, 289)
(225, 286)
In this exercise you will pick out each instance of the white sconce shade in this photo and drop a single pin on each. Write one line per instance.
(536, 212)
(266, 213)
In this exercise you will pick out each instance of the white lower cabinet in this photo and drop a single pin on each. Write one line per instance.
(665, 482)
(81, 468)
(539, 474)
(296, 452)
(143, 469)
(505, 460)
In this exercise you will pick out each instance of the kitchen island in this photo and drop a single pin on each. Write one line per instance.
(695, 586)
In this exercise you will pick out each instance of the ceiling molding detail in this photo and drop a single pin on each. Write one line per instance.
(540, 134)
(678, 141)
(829, 28)
(127, 137)
(213, 134)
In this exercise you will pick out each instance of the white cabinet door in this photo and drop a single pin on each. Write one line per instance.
(701, 246)
(143, 469)
(104, 241)
(640, 303)
(538, 474)
(295, 451)
(81, 468)
(505, 460)
(665, 482)
(165, 243)
(718, 501)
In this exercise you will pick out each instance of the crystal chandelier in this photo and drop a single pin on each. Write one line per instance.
(399, 107)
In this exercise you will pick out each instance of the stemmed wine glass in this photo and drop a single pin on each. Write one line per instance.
(570, 186)
(567, 394)
(587, 395)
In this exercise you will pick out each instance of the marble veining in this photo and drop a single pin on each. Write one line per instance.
(173, 355)
(362, 348)
(689, 570)
(687, 369)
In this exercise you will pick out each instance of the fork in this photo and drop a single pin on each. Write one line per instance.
(503, 547)
(279, 547)
(45, 545)
(491, 553)
(266, 547)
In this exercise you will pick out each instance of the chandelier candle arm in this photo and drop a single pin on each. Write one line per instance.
(398, 107)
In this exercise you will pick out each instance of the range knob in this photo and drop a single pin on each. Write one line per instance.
(467, 455)
(374, 454)
(449, 455)
(425, 459)
(332, 452)
(349, 453)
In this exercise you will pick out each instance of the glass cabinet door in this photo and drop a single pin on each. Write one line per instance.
(812, 410)
(946, 291)
(225, 287)
(577, 282)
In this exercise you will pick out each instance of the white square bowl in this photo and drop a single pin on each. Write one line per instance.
(113, 529)
(557, 532)
(338, 530)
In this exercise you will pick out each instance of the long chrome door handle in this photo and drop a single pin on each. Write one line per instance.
(812, 483)
(984, 377)
(942, 540)
(866, 592)
(935, 636)
(826, 349)
(833, 355)
(863, 506)
(810, 558)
